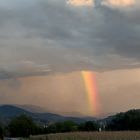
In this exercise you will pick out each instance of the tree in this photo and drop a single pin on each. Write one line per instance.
(66, 126)
(125, 121)
(89, 126)
(69, 126)
(1, 132)
(51, 129)
(22, 126)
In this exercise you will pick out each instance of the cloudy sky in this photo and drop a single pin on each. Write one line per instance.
(45, 44)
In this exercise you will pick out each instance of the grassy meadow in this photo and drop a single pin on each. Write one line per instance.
(90, 136)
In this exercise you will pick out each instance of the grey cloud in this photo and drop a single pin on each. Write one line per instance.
(23, 69)
(119, 33)
(42, 19)
(67, 38)
(5, 75)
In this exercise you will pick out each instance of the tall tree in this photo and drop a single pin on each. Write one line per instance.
(22, 126)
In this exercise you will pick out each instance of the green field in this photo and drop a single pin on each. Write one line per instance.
(90, 136)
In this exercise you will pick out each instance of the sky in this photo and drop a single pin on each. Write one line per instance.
(45, 44)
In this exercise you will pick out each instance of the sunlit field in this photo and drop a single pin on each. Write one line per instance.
(90, 136)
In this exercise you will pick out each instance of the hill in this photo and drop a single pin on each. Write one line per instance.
(7, 112)
(33, 108)
(38, 109)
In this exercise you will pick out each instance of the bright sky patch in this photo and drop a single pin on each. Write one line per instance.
(81, 2)
(119, 3)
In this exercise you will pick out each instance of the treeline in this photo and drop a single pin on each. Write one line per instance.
(69, 126)
(24, 126)
(21, 126)
(125, 121)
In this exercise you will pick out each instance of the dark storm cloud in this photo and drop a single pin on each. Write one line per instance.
(5, 75)
(67, 38)
(121, 31)
(23, 69)
(43, 19)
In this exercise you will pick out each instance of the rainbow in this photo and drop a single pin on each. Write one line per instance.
(91, 90)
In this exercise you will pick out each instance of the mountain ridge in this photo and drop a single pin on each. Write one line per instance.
(7, 112)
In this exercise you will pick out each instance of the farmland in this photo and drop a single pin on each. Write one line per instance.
(90, 136)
